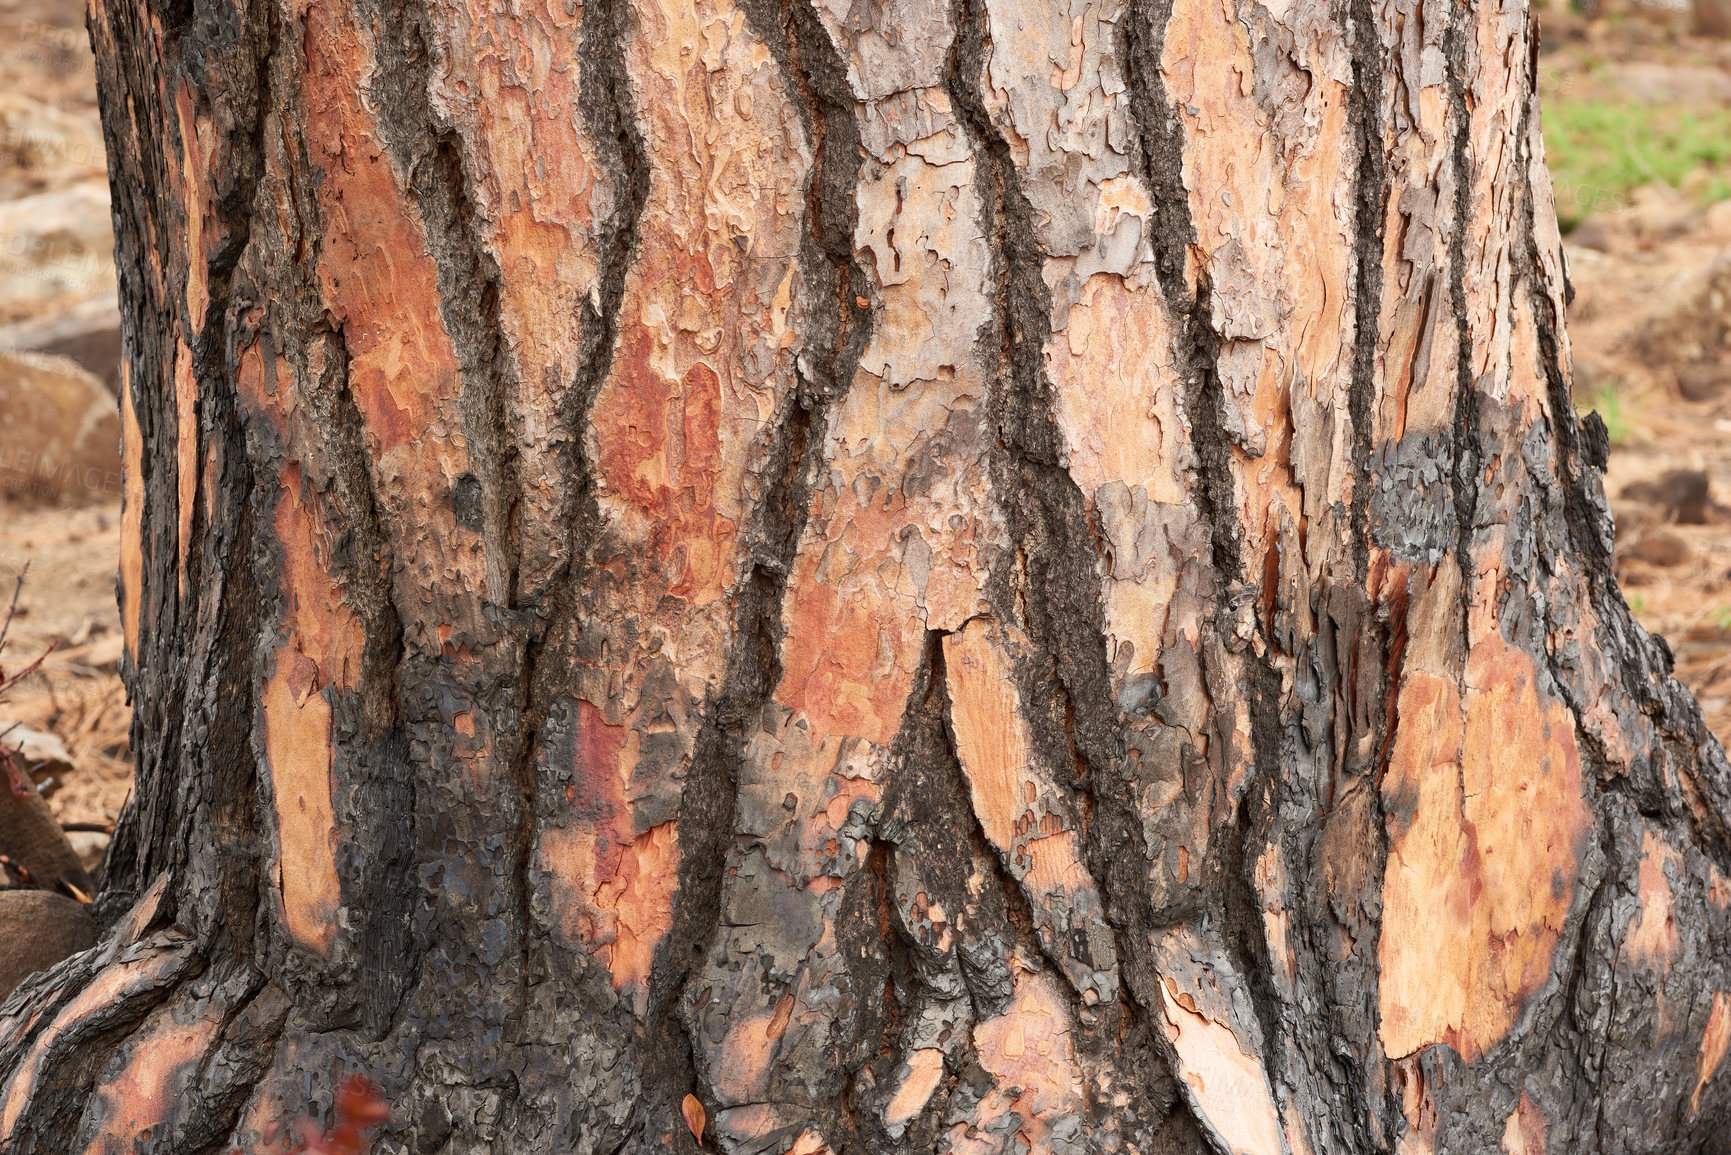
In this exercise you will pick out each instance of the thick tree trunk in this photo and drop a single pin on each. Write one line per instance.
(982, 577)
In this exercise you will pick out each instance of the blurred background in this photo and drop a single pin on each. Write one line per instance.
(1637, 122)
(59, 428)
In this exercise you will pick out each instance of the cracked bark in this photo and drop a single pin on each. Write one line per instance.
(940, 575)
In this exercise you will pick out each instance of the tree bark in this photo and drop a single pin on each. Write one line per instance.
(945, 577)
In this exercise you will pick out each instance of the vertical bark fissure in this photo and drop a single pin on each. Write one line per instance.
(1467, 451)
(235, 780)
(816, 80)
(926, 712)
(1161, 145)
(393, 791)
(1372, 193)
(1160, 150)
(429, 155)
(549, 654)
(1371, 184)
(1043, 509)
(1052, 538)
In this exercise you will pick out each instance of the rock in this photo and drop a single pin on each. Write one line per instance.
(88, 332)
(1659, 212)
(1703, 380)
(1693, 321)
(31, 836)
(1593, 233)
(1712, 17)
(59, 431)
(1681, 494)
(56, 245)
(1661, 548)
(38, 929)
(1717, 221)
(43, 147)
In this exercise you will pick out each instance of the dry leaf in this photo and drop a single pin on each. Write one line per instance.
(694, 1116)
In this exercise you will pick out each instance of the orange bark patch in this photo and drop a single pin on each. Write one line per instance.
(317, 616)
(1485, 833)
(1526, 1130)
(192, 183)
(1030, 1055)
(1652, 941)
(852, 644)
(142, 971)
(297, 735)
(742, 1075)
(1119, 404)
(702, 365)
(612, 888)
(322, 648)
(163, 1060)
(809, 1142)
(1229, 1085)
(131, 516)
(1715, 1041)
(658, 449)
(537, 188)
(378, 279)
(186, 449)
(925, 1067)
(991, 739)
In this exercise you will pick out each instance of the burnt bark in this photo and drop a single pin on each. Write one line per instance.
(935, 575)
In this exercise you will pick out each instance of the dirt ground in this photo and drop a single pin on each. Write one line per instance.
(1650, 327)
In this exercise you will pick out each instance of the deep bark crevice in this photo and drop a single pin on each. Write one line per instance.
(1160, 152)
(1467, 452)
(1370, 211)
(428, 155)
(793, 471)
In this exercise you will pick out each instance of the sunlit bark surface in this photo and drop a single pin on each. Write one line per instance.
(982, 577)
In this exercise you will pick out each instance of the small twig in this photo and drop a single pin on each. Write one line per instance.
(12, 610)
(19, 869)
(88, 827)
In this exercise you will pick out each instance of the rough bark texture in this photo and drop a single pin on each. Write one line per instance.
(976, 577)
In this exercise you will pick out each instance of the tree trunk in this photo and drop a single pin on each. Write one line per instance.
(971, 578)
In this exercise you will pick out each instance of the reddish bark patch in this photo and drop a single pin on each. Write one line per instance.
(612, 887)
(1527, 1129)
(379, 281)
(162, 1059)
(1651, 939)
(1715, 1041)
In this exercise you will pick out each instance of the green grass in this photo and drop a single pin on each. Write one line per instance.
(1608, 404)
(1601, 148)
